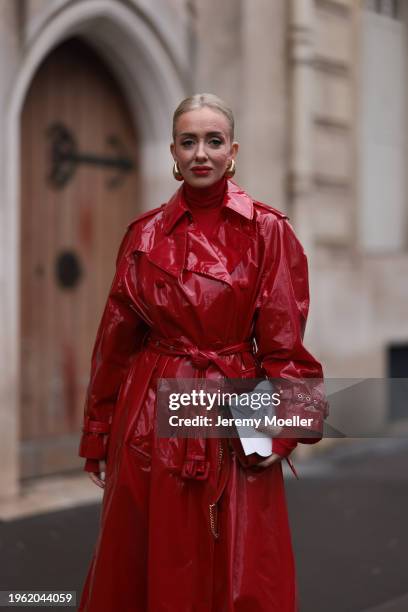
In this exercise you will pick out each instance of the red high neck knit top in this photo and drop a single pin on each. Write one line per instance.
(205, 204)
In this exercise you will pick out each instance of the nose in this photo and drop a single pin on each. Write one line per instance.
(200, 152)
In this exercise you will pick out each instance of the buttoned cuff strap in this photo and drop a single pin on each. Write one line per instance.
(283, 446)
(94, 439)
(98, 427)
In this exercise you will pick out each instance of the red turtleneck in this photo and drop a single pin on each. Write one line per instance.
(205, 204)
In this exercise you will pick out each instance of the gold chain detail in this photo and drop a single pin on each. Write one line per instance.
(213, 507)
(213, 520)
(220, 452)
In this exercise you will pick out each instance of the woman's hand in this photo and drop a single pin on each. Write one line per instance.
(269, 460)
(99, 477)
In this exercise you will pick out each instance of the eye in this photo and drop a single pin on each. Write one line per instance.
(216, 141)
(187, 143)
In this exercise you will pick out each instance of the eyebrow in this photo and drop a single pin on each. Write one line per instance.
(208, 134)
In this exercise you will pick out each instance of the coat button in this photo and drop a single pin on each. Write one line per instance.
(243, 283)
(160, 283)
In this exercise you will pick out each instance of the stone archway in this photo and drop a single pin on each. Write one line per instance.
(153, 84)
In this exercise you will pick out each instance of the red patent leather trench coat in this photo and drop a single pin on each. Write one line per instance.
(181, 531)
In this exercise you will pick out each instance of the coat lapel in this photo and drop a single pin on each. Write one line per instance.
(203, 258)
(169, 251)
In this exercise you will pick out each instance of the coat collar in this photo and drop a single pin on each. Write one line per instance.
(176, 246)
(235, 199)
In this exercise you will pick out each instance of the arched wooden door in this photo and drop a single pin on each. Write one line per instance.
(79, 190)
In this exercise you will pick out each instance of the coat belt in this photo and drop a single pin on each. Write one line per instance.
(195, 464)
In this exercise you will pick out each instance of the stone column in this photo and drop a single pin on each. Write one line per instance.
(263, 101)
(300, 179)
(11, 16)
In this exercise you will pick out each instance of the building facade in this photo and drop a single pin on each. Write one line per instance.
(87, 92)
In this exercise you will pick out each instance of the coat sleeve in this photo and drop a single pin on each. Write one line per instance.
(119, 335)
(280, 321)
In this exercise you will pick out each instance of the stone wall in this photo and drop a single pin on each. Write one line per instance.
(241, 56)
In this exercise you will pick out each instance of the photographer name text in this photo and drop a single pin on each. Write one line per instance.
(206, 421)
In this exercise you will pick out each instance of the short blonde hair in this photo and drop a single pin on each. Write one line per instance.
(198, 101)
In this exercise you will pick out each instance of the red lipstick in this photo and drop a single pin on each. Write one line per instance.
(201, 170)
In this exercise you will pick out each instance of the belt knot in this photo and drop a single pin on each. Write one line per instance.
(200, 359)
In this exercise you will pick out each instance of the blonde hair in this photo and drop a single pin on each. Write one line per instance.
(198, 101)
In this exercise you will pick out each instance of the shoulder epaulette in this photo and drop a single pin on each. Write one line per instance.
(148, 213)
(277, 212)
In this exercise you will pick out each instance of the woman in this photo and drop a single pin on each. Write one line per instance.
(184, 527)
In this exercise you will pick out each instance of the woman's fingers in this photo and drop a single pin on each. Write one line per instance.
(271, 430)
(269, 460)
(98, 478)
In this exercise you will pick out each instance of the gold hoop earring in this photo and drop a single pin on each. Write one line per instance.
(176, 172)
(230, 171)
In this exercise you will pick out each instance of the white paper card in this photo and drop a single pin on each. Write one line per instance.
(252, 440)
